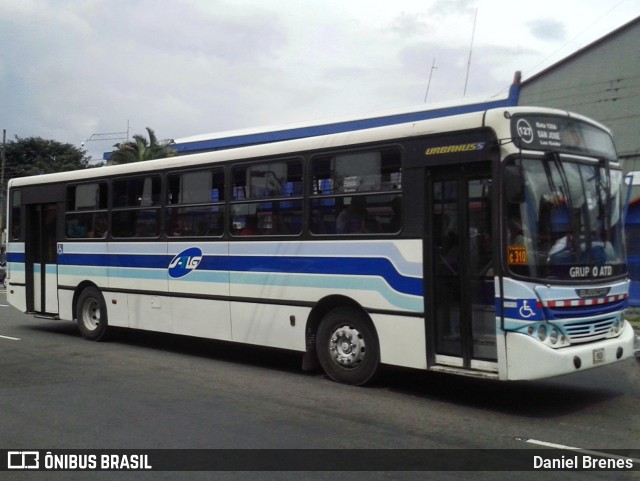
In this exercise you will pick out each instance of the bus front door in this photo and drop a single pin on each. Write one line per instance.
(461, 295)
(41, 259)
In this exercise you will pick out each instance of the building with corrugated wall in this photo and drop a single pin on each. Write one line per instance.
(602, 81)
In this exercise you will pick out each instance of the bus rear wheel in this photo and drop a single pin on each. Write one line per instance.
(91, 311)
(347, 346)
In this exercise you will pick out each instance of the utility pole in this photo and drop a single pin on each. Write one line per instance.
(3, 192)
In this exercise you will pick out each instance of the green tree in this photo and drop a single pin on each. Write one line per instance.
(142, 149)
(35, 155)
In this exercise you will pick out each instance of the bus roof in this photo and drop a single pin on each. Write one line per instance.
(453, 123)
(246, 137)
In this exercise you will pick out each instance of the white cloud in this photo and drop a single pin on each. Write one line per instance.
(73, 68)
(548, 29)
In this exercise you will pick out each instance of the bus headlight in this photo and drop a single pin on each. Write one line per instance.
(542, 332)
(616, 326)
(553, 337)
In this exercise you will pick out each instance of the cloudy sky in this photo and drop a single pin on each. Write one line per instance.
(73, 68)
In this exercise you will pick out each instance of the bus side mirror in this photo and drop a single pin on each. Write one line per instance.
(513, 184)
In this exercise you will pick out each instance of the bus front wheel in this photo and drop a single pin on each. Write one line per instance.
(347, 346)
(91, 311)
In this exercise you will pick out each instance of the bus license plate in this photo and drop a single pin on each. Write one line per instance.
(598, 356)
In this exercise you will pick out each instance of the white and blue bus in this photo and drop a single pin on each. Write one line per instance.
(486, 243)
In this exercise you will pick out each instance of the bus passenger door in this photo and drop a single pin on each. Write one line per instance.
(460, 293)
(41, 259)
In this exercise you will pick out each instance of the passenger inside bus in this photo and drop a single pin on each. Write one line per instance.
(250, 226)
(396, 219)
(99, 230)
(353, 219)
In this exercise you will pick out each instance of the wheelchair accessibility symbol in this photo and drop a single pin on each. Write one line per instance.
(525, 310)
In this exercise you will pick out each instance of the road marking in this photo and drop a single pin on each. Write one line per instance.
(4, 305)
(11, 338)
(579, 450)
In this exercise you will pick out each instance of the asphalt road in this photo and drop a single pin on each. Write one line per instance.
(153, 391)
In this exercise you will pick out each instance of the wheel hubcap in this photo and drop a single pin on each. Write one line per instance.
(347, 347)
(91, 314)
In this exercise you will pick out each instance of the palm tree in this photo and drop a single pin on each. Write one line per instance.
(140, 149)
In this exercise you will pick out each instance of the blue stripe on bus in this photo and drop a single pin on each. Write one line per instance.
(106, 260)
(243, 140)
(372, 249)
(344, 266)
(341, 283)
(365, 249)
(330, 282)
(16, 257)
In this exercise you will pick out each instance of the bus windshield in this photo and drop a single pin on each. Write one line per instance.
(564, 219)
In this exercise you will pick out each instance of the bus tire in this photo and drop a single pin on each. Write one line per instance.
(348, 347)
(91, 311)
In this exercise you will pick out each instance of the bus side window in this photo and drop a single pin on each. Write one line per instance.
(267, 199)
(136, 207)
(86, 214)
(357, 193)
(195, 204)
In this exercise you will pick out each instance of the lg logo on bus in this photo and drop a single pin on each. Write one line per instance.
(185, 262)
(525, 131)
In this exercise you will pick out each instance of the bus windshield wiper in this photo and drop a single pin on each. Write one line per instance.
(574, 241)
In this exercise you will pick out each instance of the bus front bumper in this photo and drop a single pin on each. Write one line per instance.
(528, 359)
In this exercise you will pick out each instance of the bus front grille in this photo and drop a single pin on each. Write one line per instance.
(586, 331)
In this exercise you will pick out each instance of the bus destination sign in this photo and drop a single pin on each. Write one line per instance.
(562, 134)
(538, 133)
